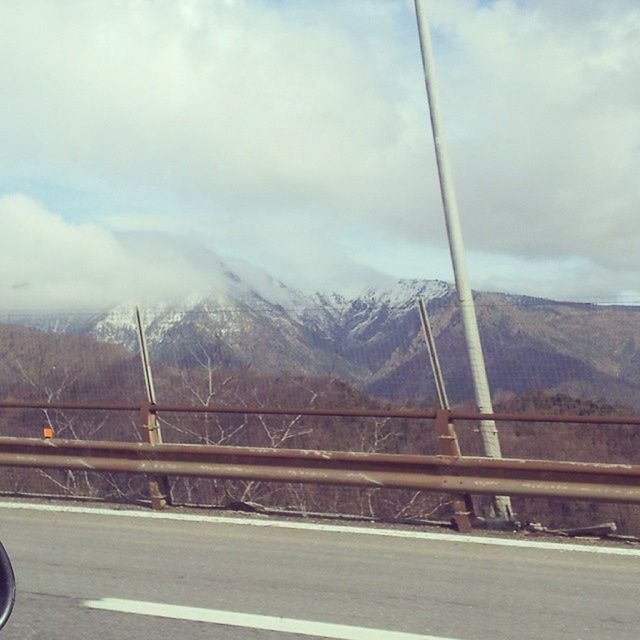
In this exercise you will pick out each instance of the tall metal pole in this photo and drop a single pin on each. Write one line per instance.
(488, 431)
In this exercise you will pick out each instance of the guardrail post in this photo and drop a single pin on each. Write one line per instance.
(159, 487)
(448, 444)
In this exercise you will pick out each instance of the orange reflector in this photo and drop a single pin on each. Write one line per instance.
(47, 432)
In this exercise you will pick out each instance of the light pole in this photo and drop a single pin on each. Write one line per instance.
(488, 431)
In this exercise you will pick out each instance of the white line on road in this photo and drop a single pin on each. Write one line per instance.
(261, 521)
(252, 621)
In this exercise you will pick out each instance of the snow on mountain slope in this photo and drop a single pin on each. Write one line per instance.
(249, 318)
(237, 291)
(246, 318)
(244, 288)
(406, 292)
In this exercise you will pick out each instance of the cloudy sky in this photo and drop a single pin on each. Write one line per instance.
(294, 135)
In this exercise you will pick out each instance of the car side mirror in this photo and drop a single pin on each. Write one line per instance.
(7, 587)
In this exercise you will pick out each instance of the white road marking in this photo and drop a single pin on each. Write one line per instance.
(253, 621)
(330, 528)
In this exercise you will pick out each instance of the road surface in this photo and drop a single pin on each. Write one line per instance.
(93, 574)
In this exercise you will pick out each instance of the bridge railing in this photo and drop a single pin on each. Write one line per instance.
(450, 472)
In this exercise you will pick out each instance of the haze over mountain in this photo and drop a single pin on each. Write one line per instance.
(246, 318)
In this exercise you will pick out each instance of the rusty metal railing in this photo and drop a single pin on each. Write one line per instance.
(451, 472)
(603, 482)
(343, 413)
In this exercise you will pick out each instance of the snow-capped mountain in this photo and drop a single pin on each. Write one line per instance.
(246, 318)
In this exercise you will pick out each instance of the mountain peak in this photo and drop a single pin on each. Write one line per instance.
(407, 291)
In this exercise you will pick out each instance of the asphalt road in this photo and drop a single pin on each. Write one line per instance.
(450, 590)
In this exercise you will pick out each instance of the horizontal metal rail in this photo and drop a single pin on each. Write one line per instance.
(71, 406)
(326, 412)
(249, 410)
(545, 417)
(575, 480)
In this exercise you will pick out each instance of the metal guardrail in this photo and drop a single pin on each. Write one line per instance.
(604, 482)
(306, 411)
(450, 472)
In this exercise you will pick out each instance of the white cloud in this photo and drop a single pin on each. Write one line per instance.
(289, 132)
(544, 109)
(46, 262)
(233, 102)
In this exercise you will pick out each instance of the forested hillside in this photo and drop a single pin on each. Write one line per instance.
(38, 365)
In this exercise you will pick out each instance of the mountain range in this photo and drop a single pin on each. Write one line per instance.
(248, 319)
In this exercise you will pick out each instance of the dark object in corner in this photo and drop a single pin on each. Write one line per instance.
(7, 587)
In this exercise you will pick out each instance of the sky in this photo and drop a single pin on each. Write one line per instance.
(135, 135)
